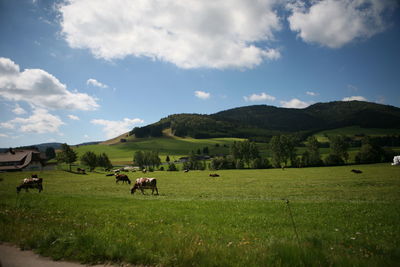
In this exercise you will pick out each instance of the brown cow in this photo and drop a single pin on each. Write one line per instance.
(214, 175)
(145, 183)
(31, 183)
(122, 177)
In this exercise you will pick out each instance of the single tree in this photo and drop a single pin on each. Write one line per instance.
(283, 148)
(339, 146)
(103, 161)
(67, 155)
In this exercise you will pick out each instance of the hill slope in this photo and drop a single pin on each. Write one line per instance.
(263, 120)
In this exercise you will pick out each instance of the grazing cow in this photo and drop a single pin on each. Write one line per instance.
(396, 160)
(122, 177)
(31, 183)
(145, 183)
(144, 170)
(356, 171)
(214, 175)
(186, 170)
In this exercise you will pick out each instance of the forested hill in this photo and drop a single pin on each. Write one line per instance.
(263, 120)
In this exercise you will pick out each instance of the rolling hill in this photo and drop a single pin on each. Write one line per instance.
(264, 120)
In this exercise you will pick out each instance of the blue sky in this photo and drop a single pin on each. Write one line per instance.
(77, 71)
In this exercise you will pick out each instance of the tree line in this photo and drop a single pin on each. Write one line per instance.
(68, 155)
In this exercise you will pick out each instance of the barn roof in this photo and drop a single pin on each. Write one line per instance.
(16, 160)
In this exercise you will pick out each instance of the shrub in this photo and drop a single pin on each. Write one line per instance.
(172, 167)
(333, 160)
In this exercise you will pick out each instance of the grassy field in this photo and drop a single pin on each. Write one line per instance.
(238, 219)
(355, 131)
(175, 147)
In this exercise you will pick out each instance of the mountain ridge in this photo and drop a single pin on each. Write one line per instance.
(265, 120)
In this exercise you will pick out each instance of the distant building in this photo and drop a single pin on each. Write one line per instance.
(21, 160)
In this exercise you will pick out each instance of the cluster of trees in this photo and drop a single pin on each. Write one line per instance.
(146, 159)
(372, 152)
(92, 160)
(68, 155)
(243, 155)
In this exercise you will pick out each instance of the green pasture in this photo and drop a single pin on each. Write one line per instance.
(122, 153)
(238, 219)
(355, 131)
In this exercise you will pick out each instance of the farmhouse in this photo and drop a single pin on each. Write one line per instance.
(21, 160)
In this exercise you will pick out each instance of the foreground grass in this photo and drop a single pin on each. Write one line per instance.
(238, 219)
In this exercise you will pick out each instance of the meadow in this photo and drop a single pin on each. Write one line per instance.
(238, 219)
(174, 147)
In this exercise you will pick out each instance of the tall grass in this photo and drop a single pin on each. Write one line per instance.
(238, 219)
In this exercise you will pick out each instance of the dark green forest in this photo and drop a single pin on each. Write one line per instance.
(266, 121)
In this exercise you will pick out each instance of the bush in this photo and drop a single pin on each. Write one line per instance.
(334, 160)
(260, 163)
(222, 163)
(172, 167)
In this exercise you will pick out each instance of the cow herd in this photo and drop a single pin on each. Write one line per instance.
(34, 182)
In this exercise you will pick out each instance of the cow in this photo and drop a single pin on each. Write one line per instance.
(396, 160)
(187, 170)
(145, 183)
(214, 175)
(356, 171)
(31, 183)
(122, 177)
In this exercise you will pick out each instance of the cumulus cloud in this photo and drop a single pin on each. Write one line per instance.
(352, 98)
(190, 34)
(202, 94)
(73, 117)
(18, 110)
(115, 128)
(39, 88)
(334, 23)
(41, 121)
(260, 97)
(96, 83)
(294, 103)
(310, 93)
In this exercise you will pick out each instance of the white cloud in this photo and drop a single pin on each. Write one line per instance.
(260, 97)
(96, 83)
(18, 110)
(202, 94)
(294, 103)
(86, 136)
(190, 34)
(310, 93)
(3, 135)
(73, 117)
(41, 121)
(334, 23)
(115, 128)
(40, 89)
(352, 98)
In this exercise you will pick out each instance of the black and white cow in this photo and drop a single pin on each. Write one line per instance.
(31, 183)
